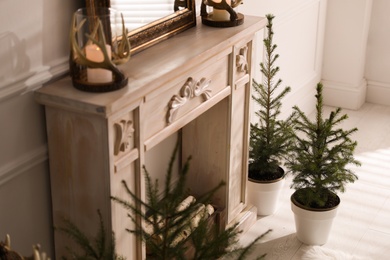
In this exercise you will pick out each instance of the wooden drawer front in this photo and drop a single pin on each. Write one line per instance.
(191, 91)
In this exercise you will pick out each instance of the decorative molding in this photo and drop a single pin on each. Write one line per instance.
(343, 95)
(15, 87)
(22, 164)
(190, 90)
(242, 60)
(296, 9)
(126, 160)
(306, 18)
(123, 132)
(33, 80)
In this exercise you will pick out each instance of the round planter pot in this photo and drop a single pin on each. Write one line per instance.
(313, 227)
(265, 195)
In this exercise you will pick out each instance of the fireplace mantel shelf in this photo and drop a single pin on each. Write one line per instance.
(197, 82)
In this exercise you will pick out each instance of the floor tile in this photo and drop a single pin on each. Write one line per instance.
(382, 221)
(375, 245)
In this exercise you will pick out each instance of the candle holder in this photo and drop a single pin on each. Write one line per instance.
(98, 44)
(223, 14)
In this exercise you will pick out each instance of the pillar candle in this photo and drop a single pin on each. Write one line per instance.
(221, 15)
(94, 53)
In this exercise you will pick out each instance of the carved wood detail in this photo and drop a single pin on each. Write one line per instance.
(123, 132)
(242, 60)
(190, 89)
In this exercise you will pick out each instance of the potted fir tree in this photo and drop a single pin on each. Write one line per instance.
(270, 137)
(319, 164)
(172, 227)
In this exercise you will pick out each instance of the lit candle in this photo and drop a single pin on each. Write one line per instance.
(94, 53)
(221, 15)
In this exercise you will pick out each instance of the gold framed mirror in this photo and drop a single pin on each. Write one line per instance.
(182, 17)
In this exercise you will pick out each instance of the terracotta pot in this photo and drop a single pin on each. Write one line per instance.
(265, 195)
(312, 226)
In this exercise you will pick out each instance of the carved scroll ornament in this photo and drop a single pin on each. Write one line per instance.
(190, 90)
(124, 131)
(242, 60)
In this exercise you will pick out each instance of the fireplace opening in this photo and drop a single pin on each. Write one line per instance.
(206, 140)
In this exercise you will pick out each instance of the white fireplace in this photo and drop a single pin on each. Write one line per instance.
(196, 84)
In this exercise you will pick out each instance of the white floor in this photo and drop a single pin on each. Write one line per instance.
(361, 229)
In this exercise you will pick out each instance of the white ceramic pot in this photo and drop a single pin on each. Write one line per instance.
(265, 195)
(313, 227)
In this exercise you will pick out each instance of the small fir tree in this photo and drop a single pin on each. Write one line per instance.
(168, 224)
(270, 138)
(102, 247)
(320, 159)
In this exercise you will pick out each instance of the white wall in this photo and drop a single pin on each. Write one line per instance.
(345, 52)
(299, 27)
(377, 70)
(33, 49)
(356, 53)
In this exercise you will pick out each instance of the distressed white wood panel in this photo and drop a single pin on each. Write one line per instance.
(126, 243)
(79, 184)
(206, 140)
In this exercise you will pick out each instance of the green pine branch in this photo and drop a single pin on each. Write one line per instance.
(168, 224)
(100, 248)
(270, 138)
(322, 155)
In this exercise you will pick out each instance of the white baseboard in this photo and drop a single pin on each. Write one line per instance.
(22, 164)
(341, 95)
(378, 93)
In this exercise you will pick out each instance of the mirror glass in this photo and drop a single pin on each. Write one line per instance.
(138, 13)
(151, 21)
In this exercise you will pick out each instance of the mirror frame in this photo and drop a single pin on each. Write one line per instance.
(159, 30)
(163, 28)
